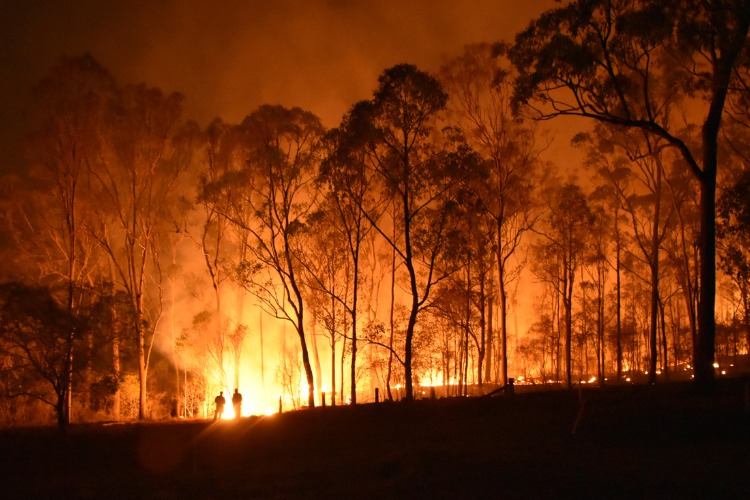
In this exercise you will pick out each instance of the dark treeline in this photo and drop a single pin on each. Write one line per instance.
(144, 250)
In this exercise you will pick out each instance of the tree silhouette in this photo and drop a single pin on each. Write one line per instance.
(639, 178)
(349, 183)
(394, 129)
(133, 182)
(69, 102)
(567, 222)
(623, 63)
(35, 332)
(479, 84)
(734, 240)
(270, 197)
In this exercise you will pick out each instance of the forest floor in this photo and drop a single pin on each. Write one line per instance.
(666, 441)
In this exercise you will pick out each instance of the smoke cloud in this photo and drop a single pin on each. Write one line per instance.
(231, 56)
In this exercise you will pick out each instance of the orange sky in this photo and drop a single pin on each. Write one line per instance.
(230, 56)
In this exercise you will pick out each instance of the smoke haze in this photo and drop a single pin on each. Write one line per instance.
(229, 57)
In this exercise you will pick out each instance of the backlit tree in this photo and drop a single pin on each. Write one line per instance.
(624, 62)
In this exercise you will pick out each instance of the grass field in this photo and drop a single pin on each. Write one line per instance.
(666, 441)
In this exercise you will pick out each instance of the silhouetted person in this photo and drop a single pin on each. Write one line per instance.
(220, 402)
(237, 403)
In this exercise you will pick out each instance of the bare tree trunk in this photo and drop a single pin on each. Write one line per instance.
(355, 305)
(503, 310)
(730, 51)
(705, 348)
(116, 373)
(391, 316)
(618, 312)
(141, 372)
(654, 314)
(316, 358)
(490, 330)
(600, 323)
(568, 304)
(414, 292)
(342, 370)
(239, 336)
(262, 352)
(482, 329)
(307, 366)
(685, 279)
(467, 313)
(665, 352)
(333, 373)
(557, 322)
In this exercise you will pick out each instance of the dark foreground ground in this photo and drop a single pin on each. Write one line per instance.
(628, 442)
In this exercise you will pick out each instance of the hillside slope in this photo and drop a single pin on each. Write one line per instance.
(620, 442)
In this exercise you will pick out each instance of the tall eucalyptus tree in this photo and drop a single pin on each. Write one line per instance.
(270, 196)
(480, 87)
(623, 62)
(395, 129)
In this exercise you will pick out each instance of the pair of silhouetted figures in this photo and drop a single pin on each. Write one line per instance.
(220, 402)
